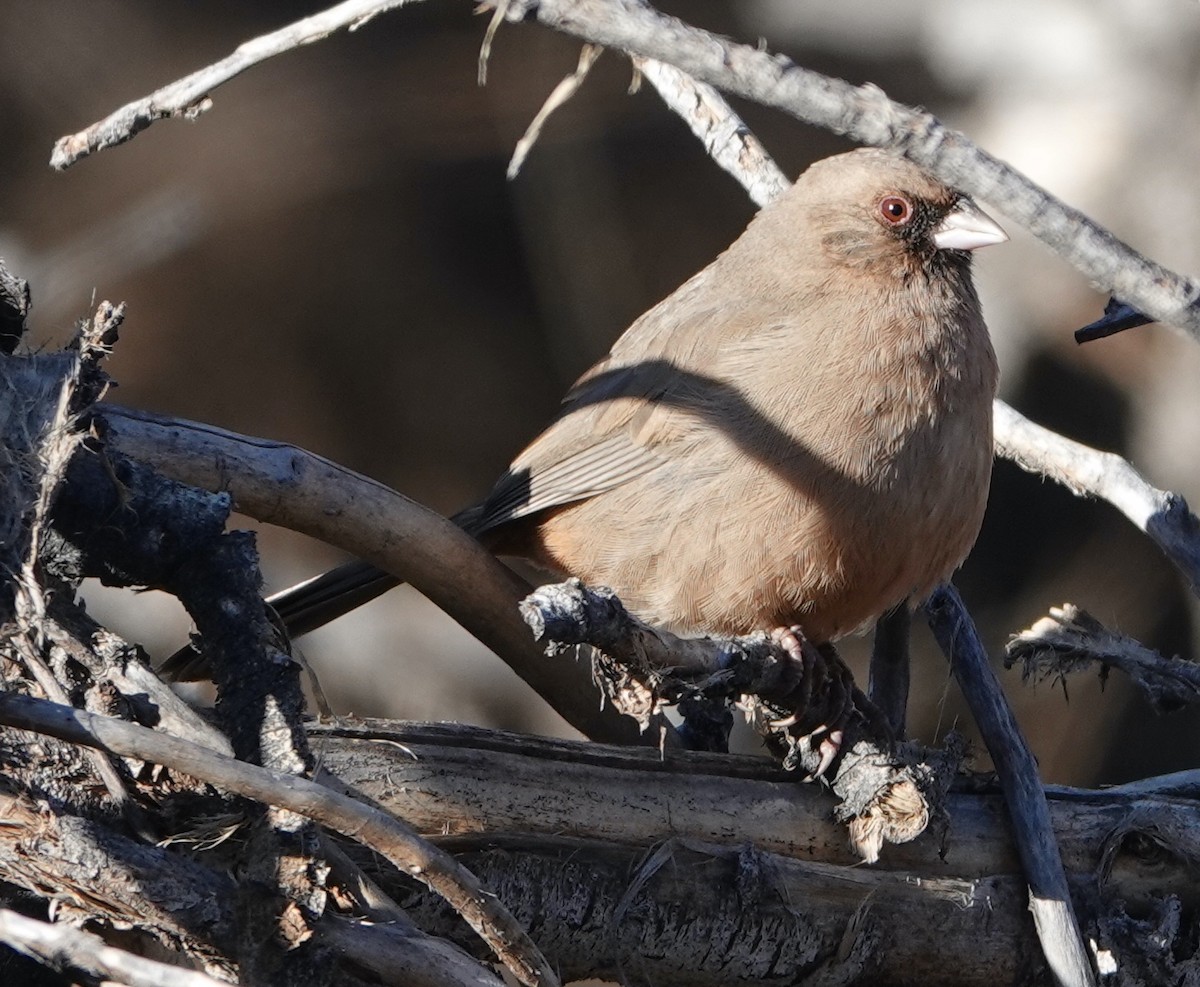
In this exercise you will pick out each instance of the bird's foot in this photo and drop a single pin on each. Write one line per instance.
(815, 691)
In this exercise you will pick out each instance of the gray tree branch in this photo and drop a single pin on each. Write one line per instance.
(862, 113)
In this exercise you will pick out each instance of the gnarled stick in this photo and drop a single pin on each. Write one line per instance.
(888, 795)
(373, 828)
(282, 484)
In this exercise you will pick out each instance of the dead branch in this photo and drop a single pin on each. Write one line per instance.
(653, 850)
(282, 484)
(792, 700)
(188, 97)
(1049, 896)
(867, 116)
(725, 137)
(65, 948)
(1162, 515)
(862, 113)
(383, 833)
(1071, 640)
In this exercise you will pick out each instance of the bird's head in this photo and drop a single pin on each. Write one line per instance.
(873, 210)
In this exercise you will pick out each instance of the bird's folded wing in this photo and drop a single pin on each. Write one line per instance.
(589, 471)
(617, 424)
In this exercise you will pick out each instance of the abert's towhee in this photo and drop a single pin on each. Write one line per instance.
(799, 436)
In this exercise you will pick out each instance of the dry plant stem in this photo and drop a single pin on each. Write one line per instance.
(281, 484)
(188, 97)
(1162, 515)
(375, 829)
(561, 93)
(1049, 895)
(62, 946)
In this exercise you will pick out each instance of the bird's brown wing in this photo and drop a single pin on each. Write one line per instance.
(668, 382)
(613, 428)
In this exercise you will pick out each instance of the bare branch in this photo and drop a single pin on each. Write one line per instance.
(866, 115)
(862, 113)
(1049, 895)
(1070, 640)
(1085, 471)
(61, 946)
(725, 137)
(373, 828)
(188, 97)
(281, 484)
(795, 700)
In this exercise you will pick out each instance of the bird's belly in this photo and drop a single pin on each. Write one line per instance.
(746, 547)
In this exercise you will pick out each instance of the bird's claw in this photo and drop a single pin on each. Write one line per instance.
(813, 695)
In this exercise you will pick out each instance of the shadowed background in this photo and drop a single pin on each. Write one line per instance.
(332, 256)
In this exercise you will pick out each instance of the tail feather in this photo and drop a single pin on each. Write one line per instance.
(315, 602)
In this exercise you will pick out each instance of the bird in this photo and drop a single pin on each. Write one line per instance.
(798, 437)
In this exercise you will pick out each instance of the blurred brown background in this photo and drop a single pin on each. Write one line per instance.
(332, 256)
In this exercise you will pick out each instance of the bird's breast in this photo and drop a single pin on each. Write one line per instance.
(821, 490)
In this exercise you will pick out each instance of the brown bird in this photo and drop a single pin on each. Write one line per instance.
(801, 434)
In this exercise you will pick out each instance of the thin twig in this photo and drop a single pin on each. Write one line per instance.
(65, 948)
(375, 829)
(1049, 895)
(725, 137)
(489, 36)
(567, 88)
(188, 97)
(1162, 515)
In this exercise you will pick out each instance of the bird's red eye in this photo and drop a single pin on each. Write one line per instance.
(895, 210)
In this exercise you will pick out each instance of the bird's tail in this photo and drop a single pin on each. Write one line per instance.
(313, 603)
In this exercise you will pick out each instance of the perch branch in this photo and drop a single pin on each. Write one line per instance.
(281, 484)
(792, 701)
(1049, 896)
(373, 828)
